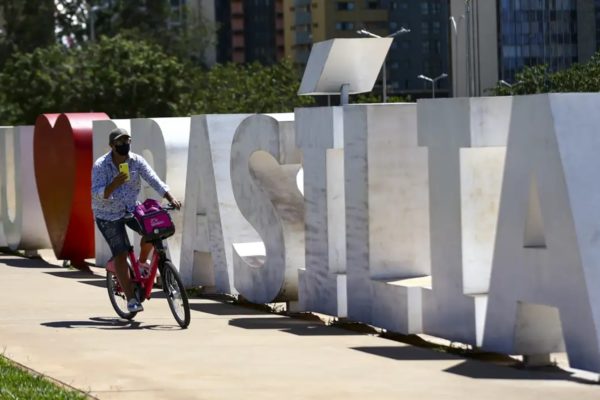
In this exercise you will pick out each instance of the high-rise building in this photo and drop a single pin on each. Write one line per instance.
(494, 40)
(190, 14)
(249, 30)
(311, 21)
(422, 51)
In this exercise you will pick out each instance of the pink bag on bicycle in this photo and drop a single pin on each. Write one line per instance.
(155, 223)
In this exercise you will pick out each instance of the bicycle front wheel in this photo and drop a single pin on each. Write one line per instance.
(176, 295)
(117, 297)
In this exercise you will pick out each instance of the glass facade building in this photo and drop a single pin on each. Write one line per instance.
(422, 51)
(535, 32)
(597, 19)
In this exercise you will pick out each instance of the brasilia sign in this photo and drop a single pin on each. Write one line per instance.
(475, 220)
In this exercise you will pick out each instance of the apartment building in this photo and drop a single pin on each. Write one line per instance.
(249, 30)
(494, 40)
(422, 51)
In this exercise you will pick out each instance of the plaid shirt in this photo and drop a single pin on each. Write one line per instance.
(124, 198)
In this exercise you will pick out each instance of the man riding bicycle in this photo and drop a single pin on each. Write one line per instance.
(114, 194)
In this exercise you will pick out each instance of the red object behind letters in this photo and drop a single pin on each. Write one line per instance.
(62, 153)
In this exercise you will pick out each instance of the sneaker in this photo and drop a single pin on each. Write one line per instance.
(134, 306)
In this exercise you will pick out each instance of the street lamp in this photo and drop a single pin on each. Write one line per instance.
(455, 24)
(384, 74)
(93, 11)
(433, 81)
(504, 83)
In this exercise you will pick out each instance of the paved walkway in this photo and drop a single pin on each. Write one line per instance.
(59, 322)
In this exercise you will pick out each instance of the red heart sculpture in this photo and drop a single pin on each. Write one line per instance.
(62, 154)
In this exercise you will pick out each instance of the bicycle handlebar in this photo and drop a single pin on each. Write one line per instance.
(170, 207)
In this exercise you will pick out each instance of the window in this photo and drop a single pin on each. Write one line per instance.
(344, 26)
(345, 5)
(425, 47)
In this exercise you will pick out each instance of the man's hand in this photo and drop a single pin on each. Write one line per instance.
(118, 181)
(176, 203)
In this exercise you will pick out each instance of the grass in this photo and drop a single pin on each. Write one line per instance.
(17, 383)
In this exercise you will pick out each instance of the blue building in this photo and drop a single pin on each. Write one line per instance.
(423, 51)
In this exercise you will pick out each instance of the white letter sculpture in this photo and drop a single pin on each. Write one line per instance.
(264, 168)
(322, 284)
(22, 221)
(455, 130)
(213, 221)
(548, 243)
(387, 219)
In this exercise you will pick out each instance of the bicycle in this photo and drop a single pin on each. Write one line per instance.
(143, 281)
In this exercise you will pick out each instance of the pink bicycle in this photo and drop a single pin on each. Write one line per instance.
(156, 226)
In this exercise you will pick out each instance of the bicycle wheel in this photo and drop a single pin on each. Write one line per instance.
(117, 297)
(176, 295)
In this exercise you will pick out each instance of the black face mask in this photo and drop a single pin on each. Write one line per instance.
(122, 149)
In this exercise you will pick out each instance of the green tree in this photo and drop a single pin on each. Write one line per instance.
(26, 26)
(118, 76)
(372, 97)
(72, 19)
(128, 79)
(584, 77)
(249, 88)
(183, 32)
(37, 82)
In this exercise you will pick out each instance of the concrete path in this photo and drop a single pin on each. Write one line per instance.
(60, 323)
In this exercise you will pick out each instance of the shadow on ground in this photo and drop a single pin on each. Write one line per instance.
(108, 323)
(409, 348)
(72, 274)
(289, 325)
(223, 309)
(20, 262)
(473, 368)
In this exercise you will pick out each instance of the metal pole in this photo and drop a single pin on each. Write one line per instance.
(344, 94)
(468, 28)
(384, 84)
(433, 89)
(92, 23)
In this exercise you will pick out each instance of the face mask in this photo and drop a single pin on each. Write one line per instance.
(122, 149)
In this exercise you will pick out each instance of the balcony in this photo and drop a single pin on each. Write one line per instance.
(301, 56)
(303, 38)
(302, 18)
(238, 56)
(237, 8)
(238, 41)
(237, 24)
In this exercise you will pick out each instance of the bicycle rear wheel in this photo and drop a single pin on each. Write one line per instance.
(176, 295)
(117, 296)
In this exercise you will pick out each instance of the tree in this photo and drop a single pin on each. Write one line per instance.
(128, 79)
(26, 26)
(250, 88)
(539, 79)
(72, 19)
(118, 76)
(183, 32)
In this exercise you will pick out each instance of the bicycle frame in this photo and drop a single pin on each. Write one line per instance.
(158, 258)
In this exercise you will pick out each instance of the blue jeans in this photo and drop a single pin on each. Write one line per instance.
(115, 235)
